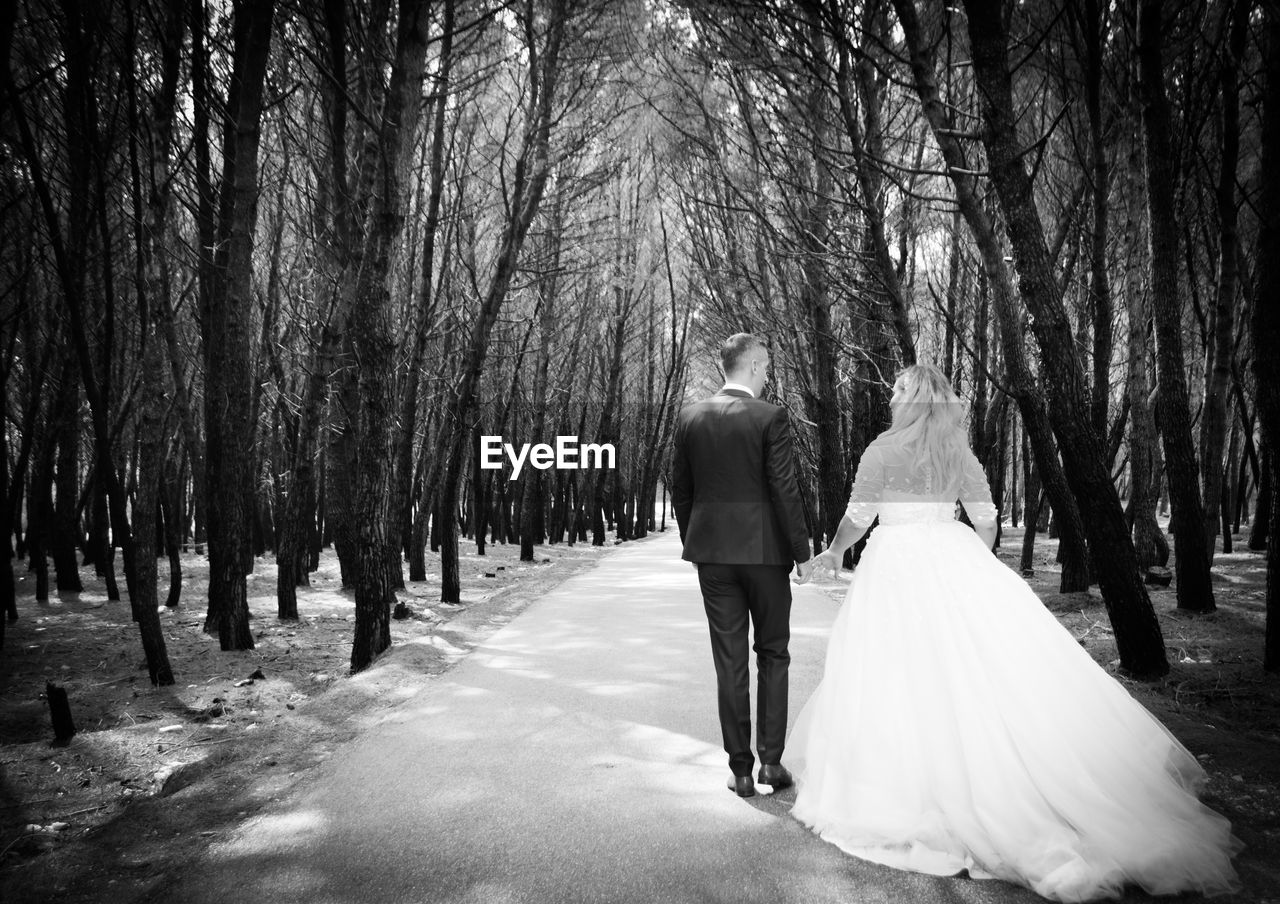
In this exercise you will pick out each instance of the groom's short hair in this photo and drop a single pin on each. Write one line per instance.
(735, 349)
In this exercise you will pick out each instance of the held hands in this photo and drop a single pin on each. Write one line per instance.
(823, 561)
(827, 560)
(815, 567)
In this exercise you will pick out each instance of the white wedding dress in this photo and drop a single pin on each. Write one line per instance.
(958, 726)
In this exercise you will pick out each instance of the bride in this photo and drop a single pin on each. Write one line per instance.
(958, 726)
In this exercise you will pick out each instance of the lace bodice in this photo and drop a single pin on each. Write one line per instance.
(890, 485)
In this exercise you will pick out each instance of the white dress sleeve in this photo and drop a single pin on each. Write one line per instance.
(868, 487)
(975, 494)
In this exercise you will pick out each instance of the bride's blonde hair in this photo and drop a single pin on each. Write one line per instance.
(928, 420)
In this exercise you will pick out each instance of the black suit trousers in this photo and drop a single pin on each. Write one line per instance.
(733, 596)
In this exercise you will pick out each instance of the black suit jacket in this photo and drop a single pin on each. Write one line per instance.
(733, 483)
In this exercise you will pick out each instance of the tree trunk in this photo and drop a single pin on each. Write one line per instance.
(607, 431)
(1221, 332)
(820, 400)
(375, 535)
(1137, 631)
(65, 533)
(1099, 285)
(228, 377)
(40, 506)
(548, 289)
(1260, 527)
(1016, 450)
(1149, 542)
(174, 521)
(1032, 501)
(340, 466)
(1191, 559)
(1227, 496)
(296, 521)
(152, 287)
(1266, 321)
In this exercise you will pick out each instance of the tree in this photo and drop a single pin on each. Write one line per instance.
(374, 343)
(1138, 636)
(227, 337)
(1221, 332)
(1266, 317)
(152, 289)
(1191, 558)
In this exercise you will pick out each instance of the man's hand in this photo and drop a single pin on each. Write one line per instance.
(804, 571)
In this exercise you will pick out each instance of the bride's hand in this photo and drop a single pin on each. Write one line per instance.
(829, 560)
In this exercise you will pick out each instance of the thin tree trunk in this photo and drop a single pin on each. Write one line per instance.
(1227, 501)
(1015, 464)
(607, 431)
(40, 505)
(1266, 320)
(1191, 559)
(65, 533)
(1099, 285)
(1213, 421)
(820, 401)
(174, 522)
(1149, 541)
(1031, 503)
(953, 291)
(152, 287)
(548, 290)
(1260, 527)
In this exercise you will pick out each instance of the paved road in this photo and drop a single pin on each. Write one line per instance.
(574, 757)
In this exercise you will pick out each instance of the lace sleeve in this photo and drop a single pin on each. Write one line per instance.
(867, 489)
(975, 494)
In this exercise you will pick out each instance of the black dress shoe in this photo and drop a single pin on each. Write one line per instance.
(776, 775)
(741, 785)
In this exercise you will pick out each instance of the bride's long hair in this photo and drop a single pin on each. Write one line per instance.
(928, 420)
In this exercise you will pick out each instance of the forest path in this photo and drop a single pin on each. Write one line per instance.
(573, 757)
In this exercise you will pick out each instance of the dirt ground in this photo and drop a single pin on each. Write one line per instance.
(156, 773)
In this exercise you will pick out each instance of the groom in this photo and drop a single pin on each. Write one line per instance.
(742, 524)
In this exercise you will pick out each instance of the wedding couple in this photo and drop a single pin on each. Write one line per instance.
(958, 727)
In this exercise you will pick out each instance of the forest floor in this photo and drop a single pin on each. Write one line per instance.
(97, 819)
(1216, 698)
